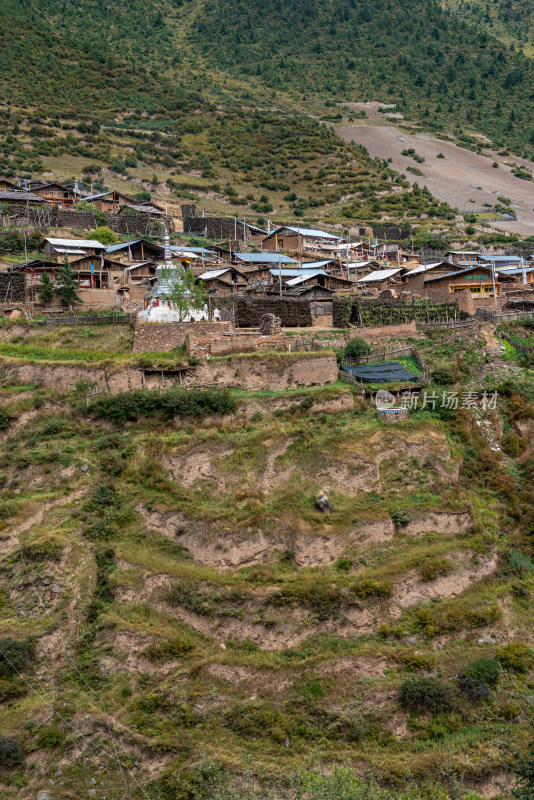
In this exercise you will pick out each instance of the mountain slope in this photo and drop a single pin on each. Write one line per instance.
(437, 66)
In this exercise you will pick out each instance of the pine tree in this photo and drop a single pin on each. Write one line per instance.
(67, 285)
(46, 294)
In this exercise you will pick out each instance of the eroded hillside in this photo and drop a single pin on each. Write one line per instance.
(171, 590)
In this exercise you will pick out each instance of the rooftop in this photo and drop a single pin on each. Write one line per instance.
(307, 232)
(77, 243)
(380, 275)
(265, 258)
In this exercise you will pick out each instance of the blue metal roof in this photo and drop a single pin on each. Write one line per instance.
(458, 272)
(298, 273)
(316, 264)
(265, 258)
(514, 271)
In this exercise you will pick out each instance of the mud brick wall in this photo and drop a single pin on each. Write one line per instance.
(293, 313)
(12, 287)
(154, 337)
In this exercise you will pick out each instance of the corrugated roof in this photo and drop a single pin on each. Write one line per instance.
(307, 232)
(516, 271)
(198, 250)
(214, 273)
(314, 264)
(70, 252)
(379, 275)
(302, 278)
(490, 259)
(265, 258)
(75, 243)
(423, 268)
(297, 273)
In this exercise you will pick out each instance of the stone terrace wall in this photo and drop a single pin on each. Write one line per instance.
(293, 313)
(153, 337)
(385, 333)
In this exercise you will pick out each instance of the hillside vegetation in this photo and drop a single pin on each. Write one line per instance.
(443, 68)
(227, 634)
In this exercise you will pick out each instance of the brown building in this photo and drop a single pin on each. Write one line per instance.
(136, 251)
(225, 281)
(297, 239)
(56, 194)
(477, 280)
(415, 278)
(72, 248)
(111, 201)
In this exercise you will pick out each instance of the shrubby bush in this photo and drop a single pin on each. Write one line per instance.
(17, 654)
(357, 347)
(431, 694)
(10, 751)
(176, 402)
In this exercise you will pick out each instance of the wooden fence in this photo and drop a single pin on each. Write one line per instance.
(444, 323)
(525, 349)
(502, 316)
(298, 345)
(112, 319)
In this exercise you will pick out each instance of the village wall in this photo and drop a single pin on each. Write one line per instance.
(141, 224)
(98, 297)
(153, 337)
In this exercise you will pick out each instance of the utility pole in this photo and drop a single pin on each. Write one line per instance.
(280, 275)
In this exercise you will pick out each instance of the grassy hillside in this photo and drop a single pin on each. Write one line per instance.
(235, 634)
(445, 69)
(511, 22)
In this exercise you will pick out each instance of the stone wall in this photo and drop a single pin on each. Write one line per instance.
(162, 337)
(293, 313)
(83, 220)
(215, 227)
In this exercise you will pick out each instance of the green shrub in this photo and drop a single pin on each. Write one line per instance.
(515, 656)
(168, 650)
(357, 347)
(50, 737)
(484, 670)
(17, 654)
(418, 662)
(400, 517)
(443, 375)
(436, 568)
(47, 550)
(132, 405)
(5, 420)
(431, 694)
(10, 751)
(343, 564)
